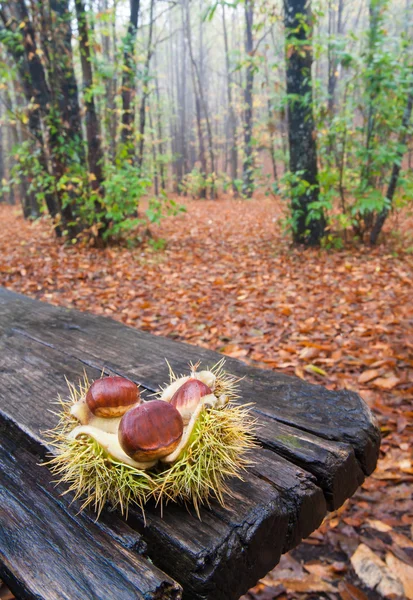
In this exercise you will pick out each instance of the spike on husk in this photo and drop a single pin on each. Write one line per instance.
(217, 449)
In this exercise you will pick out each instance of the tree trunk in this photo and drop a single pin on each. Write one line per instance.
(2, 152)
(308, 228)
(94, 146)
(232, 120)
(33, 78)
(110, 114)
(181, 83)
(271, 119)
(195, 82)
(159, 128)
(332, 57)
(145, 90)
(200, 98)
(155, 173)
(129, 80)
(248, 166)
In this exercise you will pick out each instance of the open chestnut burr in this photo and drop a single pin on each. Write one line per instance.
(111, 397)
(150, 431)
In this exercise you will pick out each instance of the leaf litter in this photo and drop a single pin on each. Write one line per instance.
(228, 280)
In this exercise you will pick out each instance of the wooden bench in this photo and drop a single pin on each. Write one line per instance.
(317, 448)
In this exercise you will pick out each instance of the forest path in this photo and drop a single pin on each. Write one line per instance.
(228, 280)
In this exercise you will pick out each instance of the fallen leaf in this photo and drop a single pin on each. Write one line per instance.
(374, 573)
(309, 584)
(379, 525)
(386, 383)
(349, 591)
(403, 572)
(321, 570)
(367, 376)
(309, 353)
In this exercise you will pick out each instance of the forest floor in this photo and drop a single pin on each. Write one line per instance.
(229, 280)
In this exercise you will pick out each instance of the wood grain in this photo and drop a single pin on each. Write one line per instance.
(49, 552)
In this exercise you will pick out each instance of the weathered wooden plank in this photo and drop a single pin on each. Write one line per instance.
(47, 552)
(315, 416)
(333, 464)
(230, 549)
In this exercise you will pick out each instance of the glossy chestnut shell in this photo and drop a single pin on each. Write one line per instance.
(112, 396)
(150, 431)
(187, 397)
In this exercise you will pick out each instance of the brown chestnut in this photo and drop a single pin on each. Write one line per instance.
(187, 397)
(150, 431)
(112, 396)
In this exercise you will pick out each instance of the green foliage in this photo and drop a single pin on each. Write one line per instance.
(162, 207)
(359, 142)
(193, 184)
(116, 208)
(123, 188)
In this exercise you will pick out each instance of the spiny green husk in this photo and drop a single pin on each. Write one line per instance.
(217, 450)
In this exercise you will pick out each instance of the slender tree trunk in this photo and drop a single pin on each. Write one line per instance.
(129, 80)
(332, 53)
(95, 153)
(308, 229)
(232, 120)
(195, 82)
(161, 149)
(110, 114)
(181, 82)
(248, 166)
(154, 157)
(271, 119)
(2, 151)
(145, 89)
(199, 96)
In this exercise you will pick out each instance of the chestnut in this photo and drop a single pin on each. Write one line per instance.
(112, 396)
(187, 397)
(150, 431)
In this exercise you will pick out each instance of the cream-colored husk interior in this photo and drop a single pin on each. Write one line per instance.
(105, 430)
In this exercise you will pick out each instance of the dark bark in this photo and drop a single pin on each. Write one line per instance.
(381, 218)
(332, 57)
(232, 119)
(28, 200)
(109, 111)
(181, 103)
(129, 80)
(155, 173)
(63, 121)
(34, 84)
(200, 105)
(271, 120)
(198, 114)
(248, 166)
(145, 89)
(2, 152)
(161, 148)
(301, 131)
(95, 153)
(67, 96)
